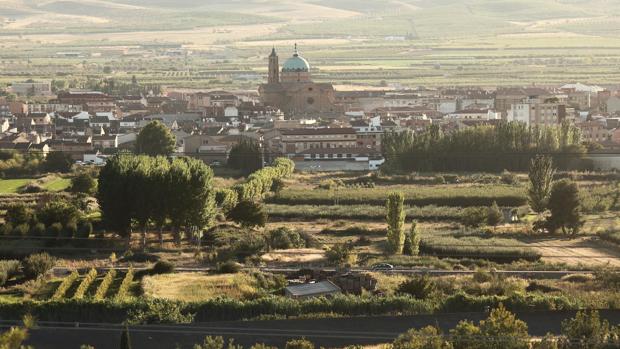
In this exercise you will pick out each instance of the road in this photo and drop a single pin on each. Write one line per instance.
(324, 332)
(528, 274)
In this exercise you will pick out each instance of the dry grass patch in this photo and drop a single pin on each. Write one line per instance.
(298, 255)
(196, 287)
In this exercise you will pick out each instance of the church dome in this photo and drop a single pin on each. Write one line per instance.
(296, 63)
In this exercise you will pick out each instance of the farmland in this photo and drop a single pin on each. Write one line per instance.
(409, 42)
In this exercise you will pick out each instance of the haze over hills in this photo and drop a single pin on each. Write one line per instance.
(423, 18)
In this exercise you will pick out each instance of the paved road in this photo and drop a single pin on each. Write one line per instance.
(324, 332)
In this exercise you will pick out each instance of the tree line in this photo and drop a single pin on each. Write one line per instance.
(508, 145)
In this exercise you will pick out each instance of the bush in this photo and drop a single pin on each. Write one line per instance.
(494, 215)
(249, 214)
(229, 267)
(32, 188)
(54, 230)
(38, 230)
(84, 229)
(285, 238)
(474, 216)
(226, 199)
(83, 183)
(58, 211)
(70, 230)
(21, 230)
(426, 338)
(587, 330)
(340, 254)
(509, 178)
(7, 229)
(419, 287)
(19, 213)
(8, 269)
(36, 265)
(299, 344)
(162, 267)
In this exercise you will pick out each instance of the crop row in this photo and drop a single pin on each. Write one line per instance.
(105, 284)
(65, 285)
(123, 289)
(359, 212)
(85, 284)
(466, 196)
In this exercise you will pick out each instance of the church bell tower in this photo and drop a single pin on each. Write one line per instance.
(274, 68)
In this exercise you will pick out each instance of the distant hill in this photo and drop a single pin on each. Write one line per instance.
(423, 18)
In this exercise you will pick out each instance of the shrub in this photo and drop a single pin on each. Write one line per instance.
(7, 229)
(509, 178)
(8, 269)
(299, 344)
(21, 230)
(54, 230)
(226, 199)
(58, 211)
(105, 284)
(85, 284)
(38, 229)
(578, 278)
(19, 213)
(229, 267)
(65, 285)
(419, 287)
(340, 254)
(123, 289)
(162, 267)
(249, 214)
(70, 230)
(587, 330)
(426, 338)
(31, 188)
(494, 215)
(83, 183)
(285, 238)
(84, 229)
(474, 216)
(38, 264)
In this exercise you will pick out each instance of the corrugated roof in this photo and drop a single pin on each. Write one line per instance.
(317, 288)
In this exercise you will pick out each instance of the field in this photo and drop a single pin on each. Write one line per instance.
(195, 287)
(53, 184)
(409, 42)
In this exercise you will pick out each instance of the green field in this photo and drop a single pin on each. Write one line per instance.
(12, 186)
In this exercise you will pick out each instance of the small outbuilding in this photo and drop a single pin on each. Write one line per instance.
(317, 289)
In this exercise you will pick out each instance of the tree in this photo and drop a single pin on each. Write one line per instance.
(125, 339)
(426, 338)
(58, 161)
(395, 217)
(500, 330)
(245, 156)
(249, 214)
(155, 139)
(474, 216)
(587, 330)
(84, 183)
(412, 241)
(59, 211)
(540, 174)
(494, 215)
(565, 206)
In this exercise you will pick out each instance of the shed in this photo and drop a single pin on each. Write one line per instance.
(317, 289)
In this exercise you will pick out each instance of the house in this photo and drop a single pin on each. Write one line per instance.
(294, 141)
(475, 114)
(104, 141)
(594, 132)
(310, 290)
(32, 88)
(206, 148)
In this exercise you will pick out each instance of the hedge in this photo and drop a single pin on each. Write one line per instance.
(259, 182)
(224, 309)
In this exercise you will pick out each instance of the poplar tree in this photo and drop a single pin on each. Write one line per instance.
(395, 218)
(540, 174)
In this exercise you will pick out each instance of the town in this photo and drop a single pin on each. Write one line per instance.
(314, 124)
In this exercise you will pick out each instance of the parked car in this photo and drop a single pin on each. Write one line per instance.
(382, 267)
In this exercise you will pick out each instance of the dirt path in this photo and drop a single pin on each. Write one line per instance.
(588, 251)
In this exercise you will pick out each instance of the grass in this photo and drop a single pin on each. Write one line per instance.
(11, 186)
(358, 212)
(57, 184)
(195, 287)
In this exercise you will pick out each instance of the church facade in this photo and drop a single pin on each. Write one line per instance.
(292, 90)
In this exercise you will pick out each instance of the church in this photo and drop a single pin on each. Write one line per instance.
(292, 90)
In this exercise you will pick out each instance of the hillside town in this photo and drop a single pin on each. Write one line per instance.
(316, 125)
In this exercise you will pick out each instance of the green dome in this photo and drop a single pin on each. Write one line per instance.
(296, 64)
